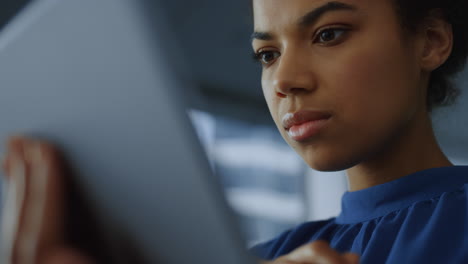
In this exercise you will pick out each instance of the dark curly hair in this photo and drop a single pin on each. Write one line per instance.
(441, 91)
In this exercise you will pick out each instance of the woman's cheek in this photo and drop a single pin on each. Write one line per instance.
(367, 80)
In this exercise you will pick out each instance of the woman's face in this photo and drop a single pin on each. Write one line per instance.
(347, 61)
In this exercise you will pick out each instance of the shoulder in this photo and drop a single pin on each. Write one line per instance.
(291, 239)
(434, 225)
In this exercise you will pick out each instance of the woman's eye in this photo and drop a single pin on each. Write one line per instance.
(330, 35)
(267, 57)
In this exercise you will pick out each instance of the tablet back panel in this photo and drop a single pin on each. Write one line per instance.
(95, 77)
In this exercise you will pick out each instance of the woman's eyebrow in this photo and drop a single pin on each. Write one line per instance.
(309, 18)
(261, 36)
(314, 15)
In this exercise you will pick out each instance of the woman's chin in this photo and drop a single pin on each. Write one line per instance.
(328, 162)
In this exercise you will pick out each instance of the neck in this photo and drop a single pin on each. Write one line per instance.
(413, 151)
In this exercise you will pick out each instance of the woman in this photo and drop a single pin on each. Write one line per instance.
(350, 85)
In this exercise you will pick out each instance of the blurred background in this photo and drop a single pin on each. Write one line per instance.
(266, 182)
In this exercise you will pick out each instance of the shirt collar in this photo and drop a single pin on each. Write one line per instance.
(379, 200)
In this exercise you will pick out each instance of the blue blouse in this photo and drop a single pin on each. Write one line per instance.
(420, 218)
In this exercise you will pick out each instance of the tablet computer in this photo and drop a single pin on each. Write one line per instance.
(98, 79)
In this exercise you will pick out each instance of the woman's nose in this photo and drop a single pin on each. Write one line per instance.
(294, 75)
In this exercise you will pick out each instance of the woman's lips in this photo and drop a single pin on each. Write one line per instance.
(306, 130)
(303, 125)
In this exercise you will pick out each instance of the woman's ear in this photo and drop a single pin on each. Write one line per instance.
(438, 43)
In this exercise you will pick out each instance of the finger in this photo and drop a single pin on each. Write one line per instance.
(40, 223)
(316, 252)
(49, 203)
(49, 230)
(13, 148)
(30, 196)
(351, 258)
(15, 191)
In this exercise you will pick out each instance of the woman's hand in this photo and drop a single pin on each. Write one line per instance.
(33, 216)
(318, 252)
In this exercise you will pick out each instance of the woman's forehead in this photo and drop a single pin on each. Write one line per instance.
(268, 13)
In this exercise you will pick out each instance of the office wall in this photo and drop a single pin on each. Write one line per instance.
(8, 9)
(451, 125)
